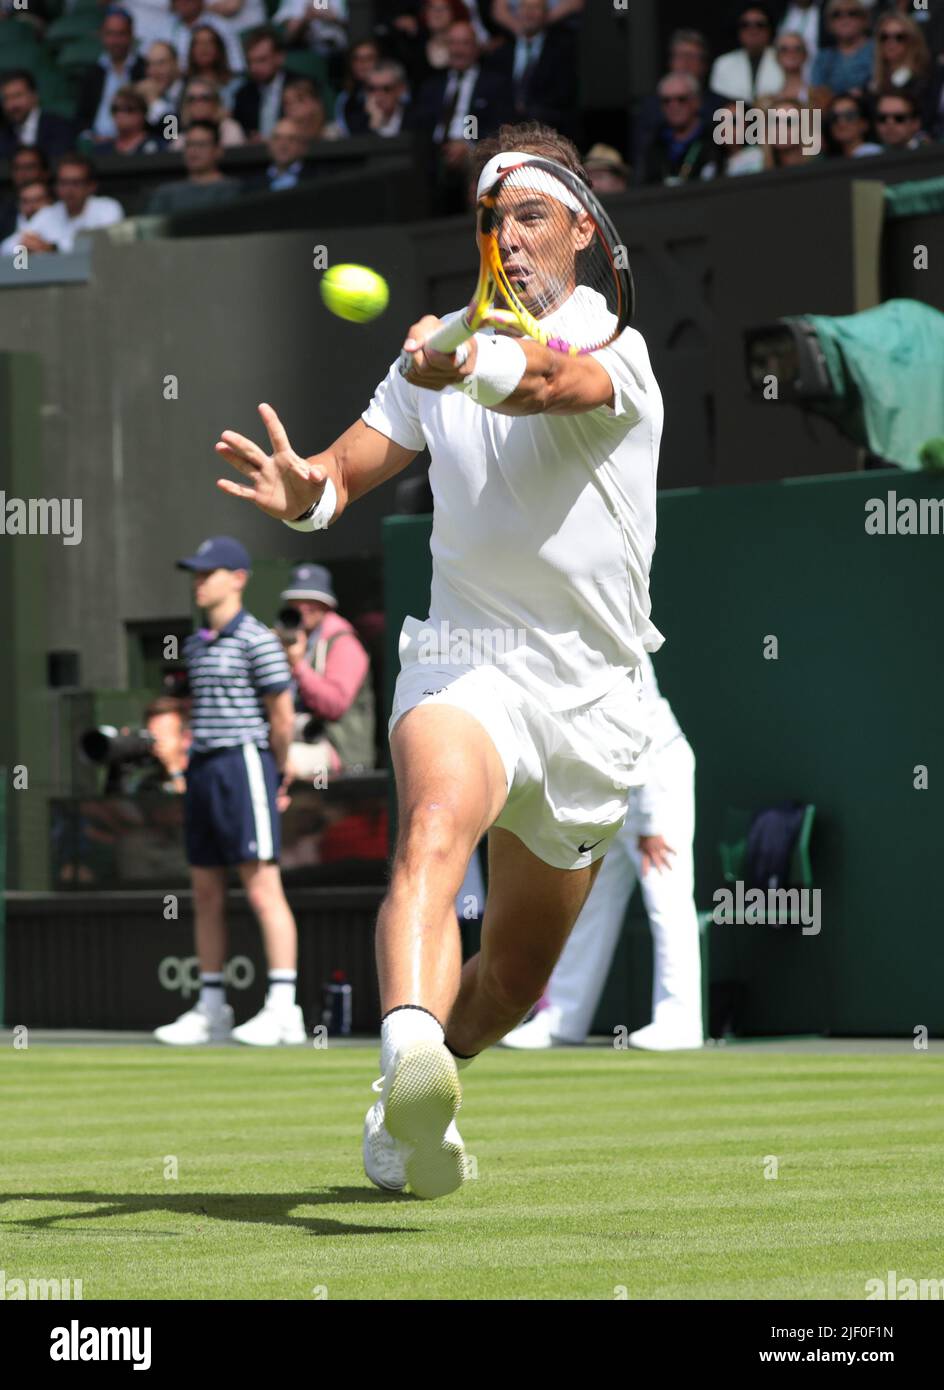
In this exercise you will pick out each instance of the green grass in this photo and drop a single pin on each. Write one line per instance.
(597, 1170)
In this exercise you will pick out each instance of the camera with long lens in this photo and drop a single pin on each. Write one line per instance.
(108, 747)
(288, 624)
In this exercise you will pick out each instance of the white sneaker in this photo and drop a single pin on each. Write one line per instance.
(198, 1025)
(272, 1027)
(533, 1034)
(656, 1038)
(410, 1135)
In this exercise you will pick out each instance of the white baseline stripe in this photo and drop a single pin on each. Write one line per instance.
(260, 800)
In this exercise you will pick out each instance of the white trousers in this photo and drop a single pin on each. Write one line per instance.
(579, 977)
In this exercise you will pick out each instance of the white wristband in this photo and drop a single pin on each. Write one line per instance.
(318, 514)
(500, 364)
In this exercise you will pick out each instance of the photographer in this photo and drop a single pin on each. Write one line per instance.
(334, 702)
(151, 759)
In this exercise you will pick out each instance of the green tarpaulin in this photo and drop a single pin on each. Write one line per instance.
(887, 367)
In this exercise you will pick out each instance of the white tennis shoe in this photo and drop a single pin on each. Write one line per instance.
(273, 1027)
(410, 1134)
(657, 1038)
(198, 1025)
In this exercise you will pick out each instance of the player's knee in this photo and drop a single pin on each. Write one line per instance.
(432, 833)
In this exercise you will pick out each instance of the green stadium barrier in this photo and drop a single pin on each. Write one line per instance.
(73, 26)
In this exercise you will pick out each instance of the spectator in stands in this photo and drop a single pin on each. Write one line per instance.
(163, 85)
(188, 14)
(804, 17)
(386, 101)
(751, 70)
(117, 66)
(207, 59)
(78, 209)
(421, 41)
(898, 122)
(205, 186)
(689, 52)
(258, 102)
(305, 108)
(464, 90)
(202, 102)
(847, 67)
(320, 25)
(350, 108)
(793, 57)
(902, 57)
(848, 127)
(683, 147)
(334, 701)
(25, 123)
(608, 173)
(510, 13)
(287, 146)
(934, 100)
(239, 16)
(785, 149)
(129, 112)
(31, 198)
(28, 164)
(541, 65)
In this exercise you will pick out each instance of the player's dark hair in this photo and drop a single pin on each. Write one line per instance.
(530, 137)
(18, 75)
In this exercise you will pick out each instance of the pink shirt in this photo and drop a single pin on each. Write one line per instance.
(331, 695)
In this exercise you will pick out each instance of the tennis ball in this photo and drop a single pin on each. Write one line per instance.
(354, 292)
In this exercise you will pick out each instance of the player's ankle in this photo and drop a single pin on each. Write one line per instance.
(462, 1059)
(406, 1024)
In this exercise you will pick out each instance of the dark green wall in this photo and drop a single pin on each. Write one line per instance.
(841, 718)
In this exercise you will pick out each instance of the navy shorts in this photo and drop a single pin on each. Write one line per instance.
(230, 815)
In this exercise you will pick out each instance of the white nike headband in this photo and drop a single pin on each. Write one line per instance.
(538, 180)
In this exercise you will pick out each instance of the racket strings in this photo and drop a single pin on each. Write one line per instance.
(555, 259)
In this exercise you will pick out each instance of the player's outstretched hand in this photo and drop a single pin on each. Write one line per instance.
(280, 484)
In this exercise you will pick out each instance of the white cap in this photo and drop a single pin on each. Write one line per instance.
(539, 180)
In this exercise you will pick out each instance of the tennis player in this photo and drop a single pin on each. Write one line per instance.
(544, 478)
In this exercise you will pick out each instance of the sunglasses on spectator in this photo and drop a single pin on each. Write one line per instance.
(853, 13)
(846, 114)
(115, 110)
(898, 117)
(753, 24)
(893, 36)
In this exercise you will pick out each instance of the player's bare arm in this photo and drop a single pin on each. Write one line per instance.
(284, 485)
(552, 384)
(280, 715)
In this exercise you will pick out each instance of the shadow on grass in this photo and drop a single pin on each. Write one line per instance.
(255, 1208)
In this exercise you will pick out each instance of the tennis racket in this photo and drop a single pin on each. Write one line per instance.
(552, 267)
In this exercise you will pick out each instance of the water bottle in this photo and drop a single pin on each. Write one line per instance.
(336, 1009)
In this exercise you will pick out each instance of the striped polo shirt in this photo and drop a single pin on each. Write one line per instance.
(229, 674)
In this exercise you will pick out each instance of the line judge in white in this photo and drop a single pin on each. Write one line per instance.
(543, 476)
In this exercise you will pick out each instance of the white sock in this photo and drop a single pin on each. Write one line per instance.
(281, 993)
(212, 992)
(403, 1027)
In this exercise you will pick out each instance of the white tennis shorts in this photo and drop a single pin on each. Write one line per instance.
(568, 773)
